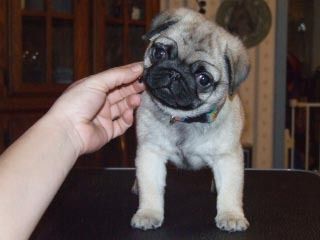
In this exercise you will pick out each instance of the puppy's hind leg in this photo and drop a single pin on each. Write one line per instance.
(151, 175)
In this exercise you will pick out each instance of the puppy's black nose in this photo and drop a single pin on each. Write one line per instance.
(174, 75)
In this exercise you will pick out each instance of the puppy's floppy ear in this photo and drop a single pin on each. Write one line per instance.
(237, 63)
(160, 23)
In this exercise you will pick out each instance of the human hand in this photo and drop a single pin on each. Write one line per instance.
(98, 108)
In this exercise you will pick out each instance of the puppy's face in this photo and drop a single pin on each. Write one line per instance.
(183, 80)
(188, 66)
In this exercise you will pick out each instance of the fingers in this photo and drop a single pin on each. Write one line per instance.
(120, 107)
(119, 94)
(110, 79)
(123, 123)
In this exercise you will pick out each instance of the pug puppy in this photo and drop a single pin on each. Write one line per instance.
(189, 114)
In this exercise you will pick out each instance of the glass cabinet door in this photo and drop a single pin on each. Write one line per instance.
(119, 26)
(33, 59)
(114, 49)
(44, 48)
(62, 51)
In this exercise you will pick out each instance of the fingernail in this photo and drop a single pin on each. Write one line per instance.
(137, 67)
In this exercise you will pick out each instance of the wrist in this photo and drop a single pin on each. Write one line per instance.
(63, 127)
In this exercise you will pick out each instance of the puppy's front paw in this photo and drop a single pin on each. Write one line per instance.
(147, 219)
(231, 222)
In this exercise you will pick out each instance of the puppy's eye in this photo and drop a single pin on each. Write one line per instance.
(203, 79)
(159, 53)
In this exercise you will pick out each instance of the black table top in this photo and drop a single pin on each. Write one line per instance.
(98, 204)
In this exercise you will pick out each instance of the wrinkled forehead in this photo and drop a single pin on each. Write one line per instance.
(194, 43)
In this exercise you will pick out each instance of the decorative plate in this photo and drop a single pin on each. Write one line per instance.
(248, 19)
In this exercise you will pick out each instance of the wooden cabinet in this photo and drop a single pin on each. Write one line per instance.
(48, 44)
(118, 28)
(47, 47)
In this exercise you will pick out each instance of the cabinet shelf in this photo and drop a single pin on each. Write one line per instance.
(111, 20)
(64, 16)
(137, 22)
(116, 21)
(33, 13)
(54, 14)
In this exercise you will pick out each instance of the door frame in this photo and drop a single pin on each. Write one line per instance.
(279, 115)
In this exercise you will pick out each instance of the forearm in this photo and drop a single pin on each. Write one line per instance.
(31, 172)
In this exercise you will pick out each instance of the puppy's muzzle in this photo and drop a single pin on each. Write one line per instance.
(171, 86)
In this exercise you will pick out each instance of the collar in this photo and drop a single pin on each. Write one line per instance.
(208, 117)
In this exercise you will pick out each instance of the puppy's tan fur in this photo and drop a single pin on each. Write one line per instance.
(216, 145)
